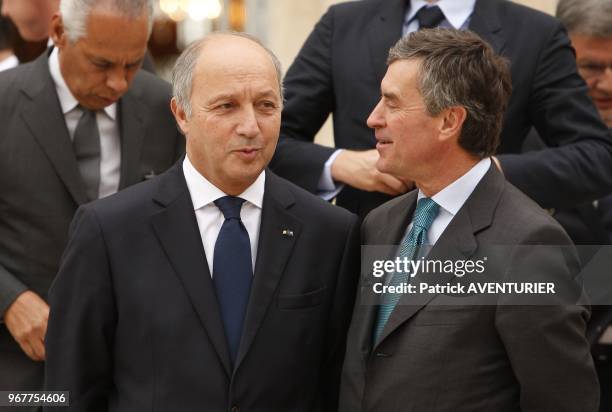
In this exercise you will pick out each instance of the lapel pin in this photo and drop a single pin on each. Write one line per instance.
(287, 232)
(149, 175)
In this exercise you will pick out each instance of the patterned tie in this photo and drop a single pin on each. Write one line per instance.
(232, 271)
(425, 213)
(429, 17)
(86, 144)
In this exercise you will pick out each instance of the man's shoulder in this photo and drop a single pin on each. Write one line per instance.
(307, 206)
(390, 208)
(132, 203)
(355, 9)
(518, 17)
(14, 79)
(522, 219)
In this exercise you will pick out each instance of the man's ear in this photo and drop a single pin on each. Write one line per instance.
(58, 32)
(453, 119)
(180, 116)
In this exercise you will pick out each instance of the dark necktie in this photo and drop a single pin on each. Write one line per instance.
(232, 271)
(86, 144)
(429, 17)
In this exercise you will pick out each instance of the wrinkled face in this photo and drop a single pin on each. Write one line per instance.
(32, 17)
(99, 67)
(407, 136)
(594, 59)
(236, 108)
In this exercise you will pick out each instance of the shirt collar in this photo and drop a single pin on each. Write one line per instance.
(455, 12)
(204, 193)
(67, 101)
(453, 196)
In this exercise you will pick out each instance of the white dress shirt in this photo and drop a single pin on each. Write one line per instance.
(451, 199)
(209, 216)
(9, 63)
(108, 127)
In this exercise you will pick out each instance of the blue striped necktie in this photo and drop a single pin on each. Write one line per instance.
(424, 215)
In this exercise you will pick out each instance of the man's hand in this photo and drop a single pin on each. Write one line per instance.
(358, 169)
(27, 319)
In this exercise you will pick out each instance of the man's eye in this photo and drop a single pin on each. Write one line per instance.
(268, 104)
(225, 106)
(593, 67)
(100, 65)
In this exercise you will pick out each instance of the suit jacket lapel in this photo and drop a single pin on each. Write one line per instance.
(458, 241)
(486, 22)
(390, 232)
(274, 249)
(383, 32)
(44, 118)
(177, 230)
(132, 131)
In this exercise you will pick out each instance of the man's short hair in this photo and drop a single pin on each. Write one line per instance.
(458, 68)
(589, 17)
(75, 13)
(182, 74)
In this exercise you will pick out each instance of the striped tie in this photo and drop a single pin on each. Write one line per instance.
(425, 213)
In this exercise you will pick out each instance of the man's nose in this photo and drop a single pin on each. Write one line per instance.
(376, 120)
(116, 79)
(248, 125)
(605, 82)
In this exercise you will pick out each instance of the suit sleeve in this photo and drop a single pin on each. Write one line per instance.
(576, 166)
(10, 289)
(309, 99)
(546, 340)
(82, 319)
(340, 317)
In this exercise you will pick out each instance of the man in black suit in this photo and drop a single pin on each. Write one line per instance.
(217, 286)
(437, 124)
(78, 123)
(339, 69)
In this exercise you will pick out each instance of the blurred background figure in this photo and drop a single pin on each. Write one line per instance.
(339, 69)
(31, 17)
(7, 57)
(589, 23)
(78, 123)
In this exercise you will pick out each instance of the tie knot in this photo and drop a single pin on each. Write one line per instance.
(425, 213)
(429, 17)
(230, 206)
(85, 112)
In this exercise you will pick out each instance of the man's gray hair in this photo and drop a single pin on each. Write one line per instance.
(458, 68)
(182, 74)
(75, 13)
(590, 17)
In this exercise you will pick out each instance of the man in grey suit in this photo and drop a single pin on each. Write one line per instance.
(437, 124)
(78, 123)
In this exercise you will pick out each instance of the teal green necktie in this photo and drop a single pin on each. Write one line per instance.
(424, 215)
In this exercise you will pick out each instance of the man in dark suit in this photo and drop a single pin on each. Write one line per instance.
(77, 124)
(437, 124)
(217, 286)
(339, 69)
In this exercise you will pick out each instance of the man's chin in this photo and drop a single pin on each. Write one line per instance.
(606, 116)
